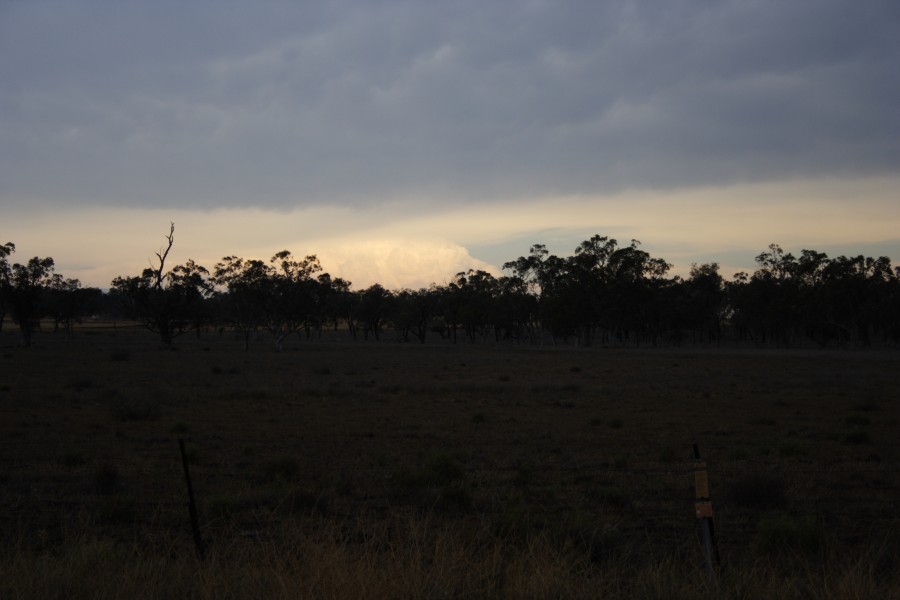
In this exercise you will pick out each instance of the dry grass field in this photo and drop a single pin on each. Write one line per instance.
(340, 469)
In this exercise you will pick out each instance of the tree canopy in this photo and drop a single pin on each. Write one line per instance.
(603, 293)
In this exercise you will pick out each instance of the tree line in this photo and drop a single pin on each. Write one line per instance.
(604, 293)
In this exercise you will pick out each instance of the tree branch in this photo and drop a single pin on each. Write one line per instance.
(161, 255)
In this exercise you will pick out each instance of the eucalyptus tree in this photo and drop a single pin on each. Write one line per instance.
(477, 293)
(327, 308)
(293, 295)
(5, 279)
(540, 277)
(765, 305)
(346, 305)
(447, 310)
(414, 311)
(704, 305)
(516, 310)
(854, 287)
(812, 298)
(25, 287)
(166, 302)
(65, 302)
(556, 283)
(375, 303)
(601, 288)
(247, 286)
(632, 281)
(531, 269)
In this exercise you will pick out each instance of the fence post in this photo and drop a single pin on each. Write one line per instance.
(192, 506)
(703, 509)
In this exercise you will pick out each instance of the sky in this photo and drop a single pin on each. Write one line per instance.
(403, 142)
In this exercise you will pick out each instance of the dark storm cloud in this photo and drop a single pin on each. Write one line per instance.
(282, 104)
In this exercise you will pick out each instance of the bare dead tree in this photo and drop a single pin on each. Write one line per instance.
(159, 273)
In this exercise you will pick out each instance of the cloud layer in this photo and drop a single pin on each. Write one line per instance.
(283, 105)
(397, 247)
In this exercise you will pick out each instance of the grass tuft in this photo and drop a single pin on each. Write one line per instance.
(785, 534)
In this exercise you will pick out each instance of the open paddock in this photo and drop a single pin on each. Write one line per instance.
(336, 461)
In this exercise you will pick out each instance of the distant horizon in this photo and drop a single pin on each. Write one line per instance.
(358, 257)
(405, 143)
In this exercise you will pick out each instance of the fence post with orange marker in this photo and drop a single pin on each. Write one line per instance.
(703, 509)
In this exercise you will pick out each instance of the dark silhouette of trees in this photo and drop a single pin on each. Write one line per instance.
(26, 293)
(474, 293)
(169, 303)
(840, 300)
(414, 312)
(292, 297)
(601, 290)
(282, 297)
(375, 304)
(66, 302)
(246, 284)
(6, 250)
(516, 312)
(346, 305)
(32, 291)
(704, 303)
(603, 293)
(326, 311)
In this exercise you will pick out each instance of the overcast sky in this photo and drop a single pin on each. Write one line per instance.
(406, 141)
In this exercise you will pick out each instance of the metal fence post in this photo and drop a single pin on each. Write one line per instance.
(192, 506)
(704, 511)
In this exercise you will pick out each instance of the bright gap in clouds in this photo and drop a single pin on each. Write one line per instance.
(406, 246)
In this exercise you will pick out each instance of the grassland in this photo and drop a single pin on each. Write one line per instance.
(339, 469)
